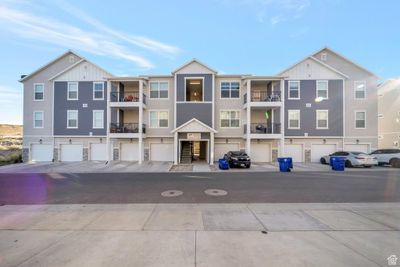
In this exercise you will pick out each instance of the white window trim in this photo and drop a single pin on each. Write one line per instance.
(229, 110)
(158, 82)
(77, 118)
(355, 90)
(327, 119)
(298, 111)
(202, 90)
(327, 89)
(34, 91)
(294, 98)
(94, 86)
(102, 122)
(355, 119)
(158, 118)
(324, 56)
(77, 91)
(230, 97)
(34, 125)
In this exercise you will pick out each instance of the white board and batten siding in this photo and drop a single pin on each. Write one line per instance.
(310, 70)
(84, 71)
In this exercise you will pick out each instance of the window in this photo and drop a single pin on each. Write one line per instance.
(159, 90)
(322, 119)
(72, 119)
(72, 93)
(359, 90)
(98, 91)
(230, 89)
(194, 89)
(230, 119)
(294, 89)
(294, 119)
(360, 120)
(322, 89)
(158, 119)
(98, 119)
(324, 56)
(38, 119)
(38, 91)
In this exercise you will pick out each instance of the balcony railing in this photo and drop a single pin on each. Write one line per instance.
(127, 96)
(264, 128)
(126, 128)
(264, 96)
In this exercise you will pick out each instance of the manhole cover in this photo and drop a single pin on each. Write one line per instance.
(215, 192)
(171, 193)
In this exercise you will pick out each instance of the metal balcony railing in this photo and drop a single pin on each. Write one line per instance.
(126, 96)
(264, 128)
(126, 128)
(265, 96)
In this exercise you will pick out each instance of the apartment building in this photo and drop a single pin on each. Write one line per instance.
(74, 110)
(389, 114)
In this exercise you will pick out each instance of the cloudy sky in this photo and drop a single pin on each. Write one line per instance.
(155, 37)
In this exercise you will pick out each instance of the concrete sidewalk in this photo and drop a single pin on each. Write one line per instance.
(352, 234)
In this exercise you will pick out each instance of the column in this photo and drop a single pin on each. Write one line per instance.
(140, 141)
(212, 148)
(248, 118)
(108, 121)
(282, 110)
(175, 148)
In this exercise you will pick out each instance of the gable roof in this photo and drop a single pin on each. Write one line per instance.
(194, 61)
(191, 121)
(48, 64)
(76, 64)
(317, 61)
(346, 59)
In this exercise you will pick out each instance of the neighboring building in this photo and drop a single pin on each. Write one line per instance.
(197, 114)
(389, 114)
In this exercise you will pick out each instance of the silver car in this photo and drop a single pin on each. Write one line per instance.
(353, 159)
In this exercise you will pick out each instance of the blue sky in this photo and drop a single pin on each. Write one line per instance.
(155, 37)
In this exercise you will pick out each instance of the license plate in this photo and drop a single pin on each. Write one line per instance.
(242, 165)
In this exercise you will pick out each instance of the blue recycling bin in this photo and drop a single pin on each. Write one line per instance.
(285, 164)
(337, 163)
(223, 164)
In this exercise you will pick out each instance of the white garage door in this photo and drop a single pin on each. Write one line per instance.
(41, 152)
(295, 151)
(260, 153)
(162, 152)
(130, 152)
(357, 148)
(318, 151)
(71, 152)
(221, 149)
(98, 151)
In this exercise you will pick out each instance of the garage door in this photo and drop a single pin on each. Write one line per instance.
(41, 152)
(98, 151)
(260, 153)
(318, 151)
(162, 152)
(357, 148)
(71, 152)
(295, 151)
(130, 152)
(221, 149)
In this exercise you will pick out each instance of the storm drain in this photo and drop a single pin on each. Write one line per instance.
(215, 192)
(171, 193)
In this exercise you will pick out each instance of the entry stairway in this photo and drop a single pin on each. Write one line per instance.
(186, 153)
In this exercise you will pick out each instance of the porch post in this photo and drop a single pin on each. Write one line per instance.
(140, 122)
(282, 119)
(108, 121)
(248, 118)
(176, 148)
(212, 148)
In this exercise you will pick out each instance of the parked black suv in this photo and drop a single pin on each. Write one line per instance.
(237, 159)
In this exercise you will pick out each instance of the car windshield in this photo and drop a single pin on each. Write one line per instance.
(238, 153)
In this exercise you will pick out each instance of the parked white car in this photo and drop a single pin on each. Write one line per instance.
(386, 156)
(353, 159)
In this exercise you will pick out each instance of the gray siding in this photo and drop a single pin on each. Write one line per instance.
(180, 86)
(188, 111)
(85, 115)
(308, 114)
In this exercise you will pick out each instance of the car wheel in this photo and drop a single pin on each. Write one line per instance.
(348, 164)
(393, 161)
(322, 160)
(248, 166)
(368, 166)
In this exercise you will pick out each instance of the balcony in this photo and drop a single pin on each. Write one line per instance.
(264, 98)
(129, 130)
(126, 99)
(264, 130)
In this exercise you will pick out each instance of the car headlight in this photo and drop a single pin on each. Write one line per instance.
(234, 158)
